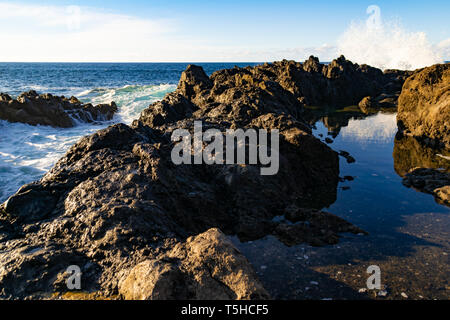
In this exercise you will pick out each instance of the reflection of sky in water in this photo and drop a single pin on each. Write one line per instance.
(381, 127)
(376, 197)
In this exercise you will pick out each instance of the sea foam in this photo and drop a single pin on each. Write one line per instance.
(386, 44)
(27, 152)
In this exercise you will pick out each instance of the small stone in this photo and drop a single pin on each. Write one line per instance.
(382, 293)
(315, 283)
(404, 295)
(362, 290)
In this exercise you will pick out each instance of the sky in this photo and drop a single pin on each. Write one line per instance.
(232, 31)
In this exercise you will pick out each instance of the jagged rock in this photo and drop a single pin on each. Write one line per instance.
(116, 199)
(433, 181)
(340, 83)
(424, 106)
(205, 267)
(46, 109)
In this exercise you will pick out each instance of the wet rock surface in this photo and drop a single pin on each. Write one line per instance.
(424, 106)
(116, 201)
(46, 109)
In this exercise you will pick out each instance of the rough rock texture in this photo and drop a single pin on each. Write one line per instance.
(205, 267)
(338, 84)
(387, 98)
(45, 109)
(410, 153)
(424, 106)
(116, 199)
(433, 181)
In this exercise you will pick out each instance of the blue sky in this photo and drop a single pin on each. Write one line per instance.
(206, 30)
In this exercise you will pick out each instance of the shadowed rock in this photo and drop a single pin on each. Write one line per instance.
(46, 109)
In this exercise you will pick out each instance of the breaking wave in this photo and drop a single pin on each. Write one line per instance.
(27, 152)
(386, 44)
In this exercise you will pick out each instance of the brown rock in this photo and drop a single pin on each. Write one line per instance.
(433, 181)
(205, 267)
(424, 106)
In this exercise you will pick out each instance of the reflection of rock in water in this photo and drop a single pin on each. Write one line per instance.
(422, 168)
(410, 153)
(116, 198)
(333, 119)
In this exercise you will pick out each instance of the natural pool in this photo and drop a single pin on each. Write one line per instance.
(409, 233)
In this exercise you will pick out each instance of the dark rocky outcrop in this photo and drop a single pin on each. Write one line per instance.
(46, 109)
(387, 98)
(340, 83)
(118, 207)
(205, 267)
(424, 106)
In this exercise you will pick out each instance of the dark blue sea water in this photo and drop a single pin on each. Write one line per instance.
(68, 78)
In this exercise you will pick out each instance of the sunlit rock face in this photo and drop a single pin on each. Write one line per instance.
(424, 106)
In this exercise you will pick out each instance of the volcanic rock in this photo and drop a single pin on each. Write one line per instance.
(424, 106)
(119, 208)
(205, 267)
(46, 109)
(433, 181)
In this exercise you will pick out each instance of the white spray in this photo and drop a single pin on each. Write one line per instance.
(386, 44)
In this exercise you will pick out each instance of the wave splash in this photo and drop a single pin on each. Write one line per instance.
(386, 44)
(27, 152)
(131, 99)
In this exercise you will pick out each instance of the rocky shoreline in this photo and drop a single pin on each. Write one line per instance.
(49, 110)
(141, 227)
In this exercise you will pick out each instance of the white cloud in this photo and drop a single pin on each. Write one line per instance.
(443, 48)
(66, 34)
(51, 33)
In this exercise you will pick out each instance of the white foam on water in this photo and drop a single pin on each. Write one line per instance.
(386, 44)
(27, 152)
(131, 99)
